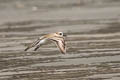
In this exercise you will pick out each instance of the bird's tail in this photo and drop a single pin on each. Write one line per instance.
(32, 45)
(37, 47)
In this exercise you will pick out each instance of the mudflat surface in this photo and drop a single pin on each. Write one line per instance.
(93, 42)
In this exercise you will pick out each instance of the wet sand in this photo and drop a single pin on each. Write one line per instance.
(93, 42)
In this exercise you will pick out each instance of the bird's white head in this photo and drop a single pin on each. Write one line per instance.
(61, 34)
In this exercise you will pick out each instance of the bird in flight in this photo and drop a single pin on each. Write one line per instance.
(58, 38)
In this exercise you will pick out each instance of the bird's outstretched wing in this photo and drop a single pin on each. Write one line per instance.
(60, 42)
(32, 44)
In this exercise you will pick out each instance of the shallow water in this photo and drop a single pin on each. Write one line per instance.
(93, 41)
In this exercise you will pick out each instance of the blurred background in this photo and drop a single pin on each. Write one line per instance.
(93, 42)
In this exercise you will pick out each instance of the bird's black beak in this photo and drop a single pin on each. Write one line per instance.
(64, 35)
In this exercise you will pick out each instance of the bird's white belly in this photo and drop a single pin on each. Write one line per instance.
(43, 41)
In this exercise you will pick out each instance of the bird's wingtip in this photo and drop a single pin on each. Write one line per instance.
(26, 49)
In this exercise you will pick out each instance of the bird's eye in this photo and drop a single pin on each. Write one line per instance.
(60, 34)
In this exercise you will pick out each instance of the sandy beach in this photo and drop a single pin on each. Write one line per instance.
(93, 41)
